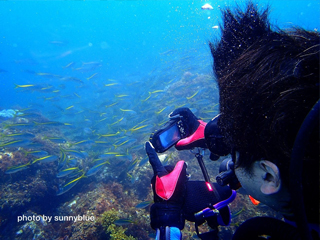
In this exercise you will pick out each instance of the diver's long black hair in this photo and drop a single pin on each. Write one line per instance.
(268, 81)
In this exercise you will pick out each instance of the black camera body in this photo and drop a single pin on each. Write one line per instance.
(169, 135)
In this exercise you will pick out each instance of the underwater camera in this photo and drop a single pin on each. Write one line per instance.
(174, 130)
(169, 135)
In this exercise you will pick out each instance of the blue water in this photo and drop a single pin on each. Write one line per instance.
(126, 37)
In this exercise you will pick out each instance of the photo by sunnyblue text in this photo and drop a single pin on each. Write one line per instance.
(40, 218)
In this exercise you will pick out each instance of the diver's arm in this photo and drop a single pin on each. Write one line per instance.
(201, 134)
(193, 127)
(196, 139)
(169, 189)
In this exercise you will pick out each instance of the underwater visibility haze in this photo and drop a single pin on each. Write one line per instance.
(83, 84)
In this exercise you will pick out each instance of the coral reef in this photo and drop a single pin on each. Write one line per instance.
(115, 232)
(113, 192)
(107, 219)
(9, 113)
(118, 233)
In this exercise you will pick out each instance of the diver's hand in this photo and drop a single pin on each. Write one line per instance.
(194, 129)
(169, 189)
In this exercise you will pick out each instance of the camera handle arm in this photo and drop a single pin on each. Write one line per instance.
(199, 157)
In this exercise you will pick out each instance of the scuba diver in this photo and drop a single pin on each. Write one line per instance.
(268, 125)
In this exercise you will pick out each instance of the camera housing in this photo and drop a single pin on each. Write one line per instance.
(169, 135)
